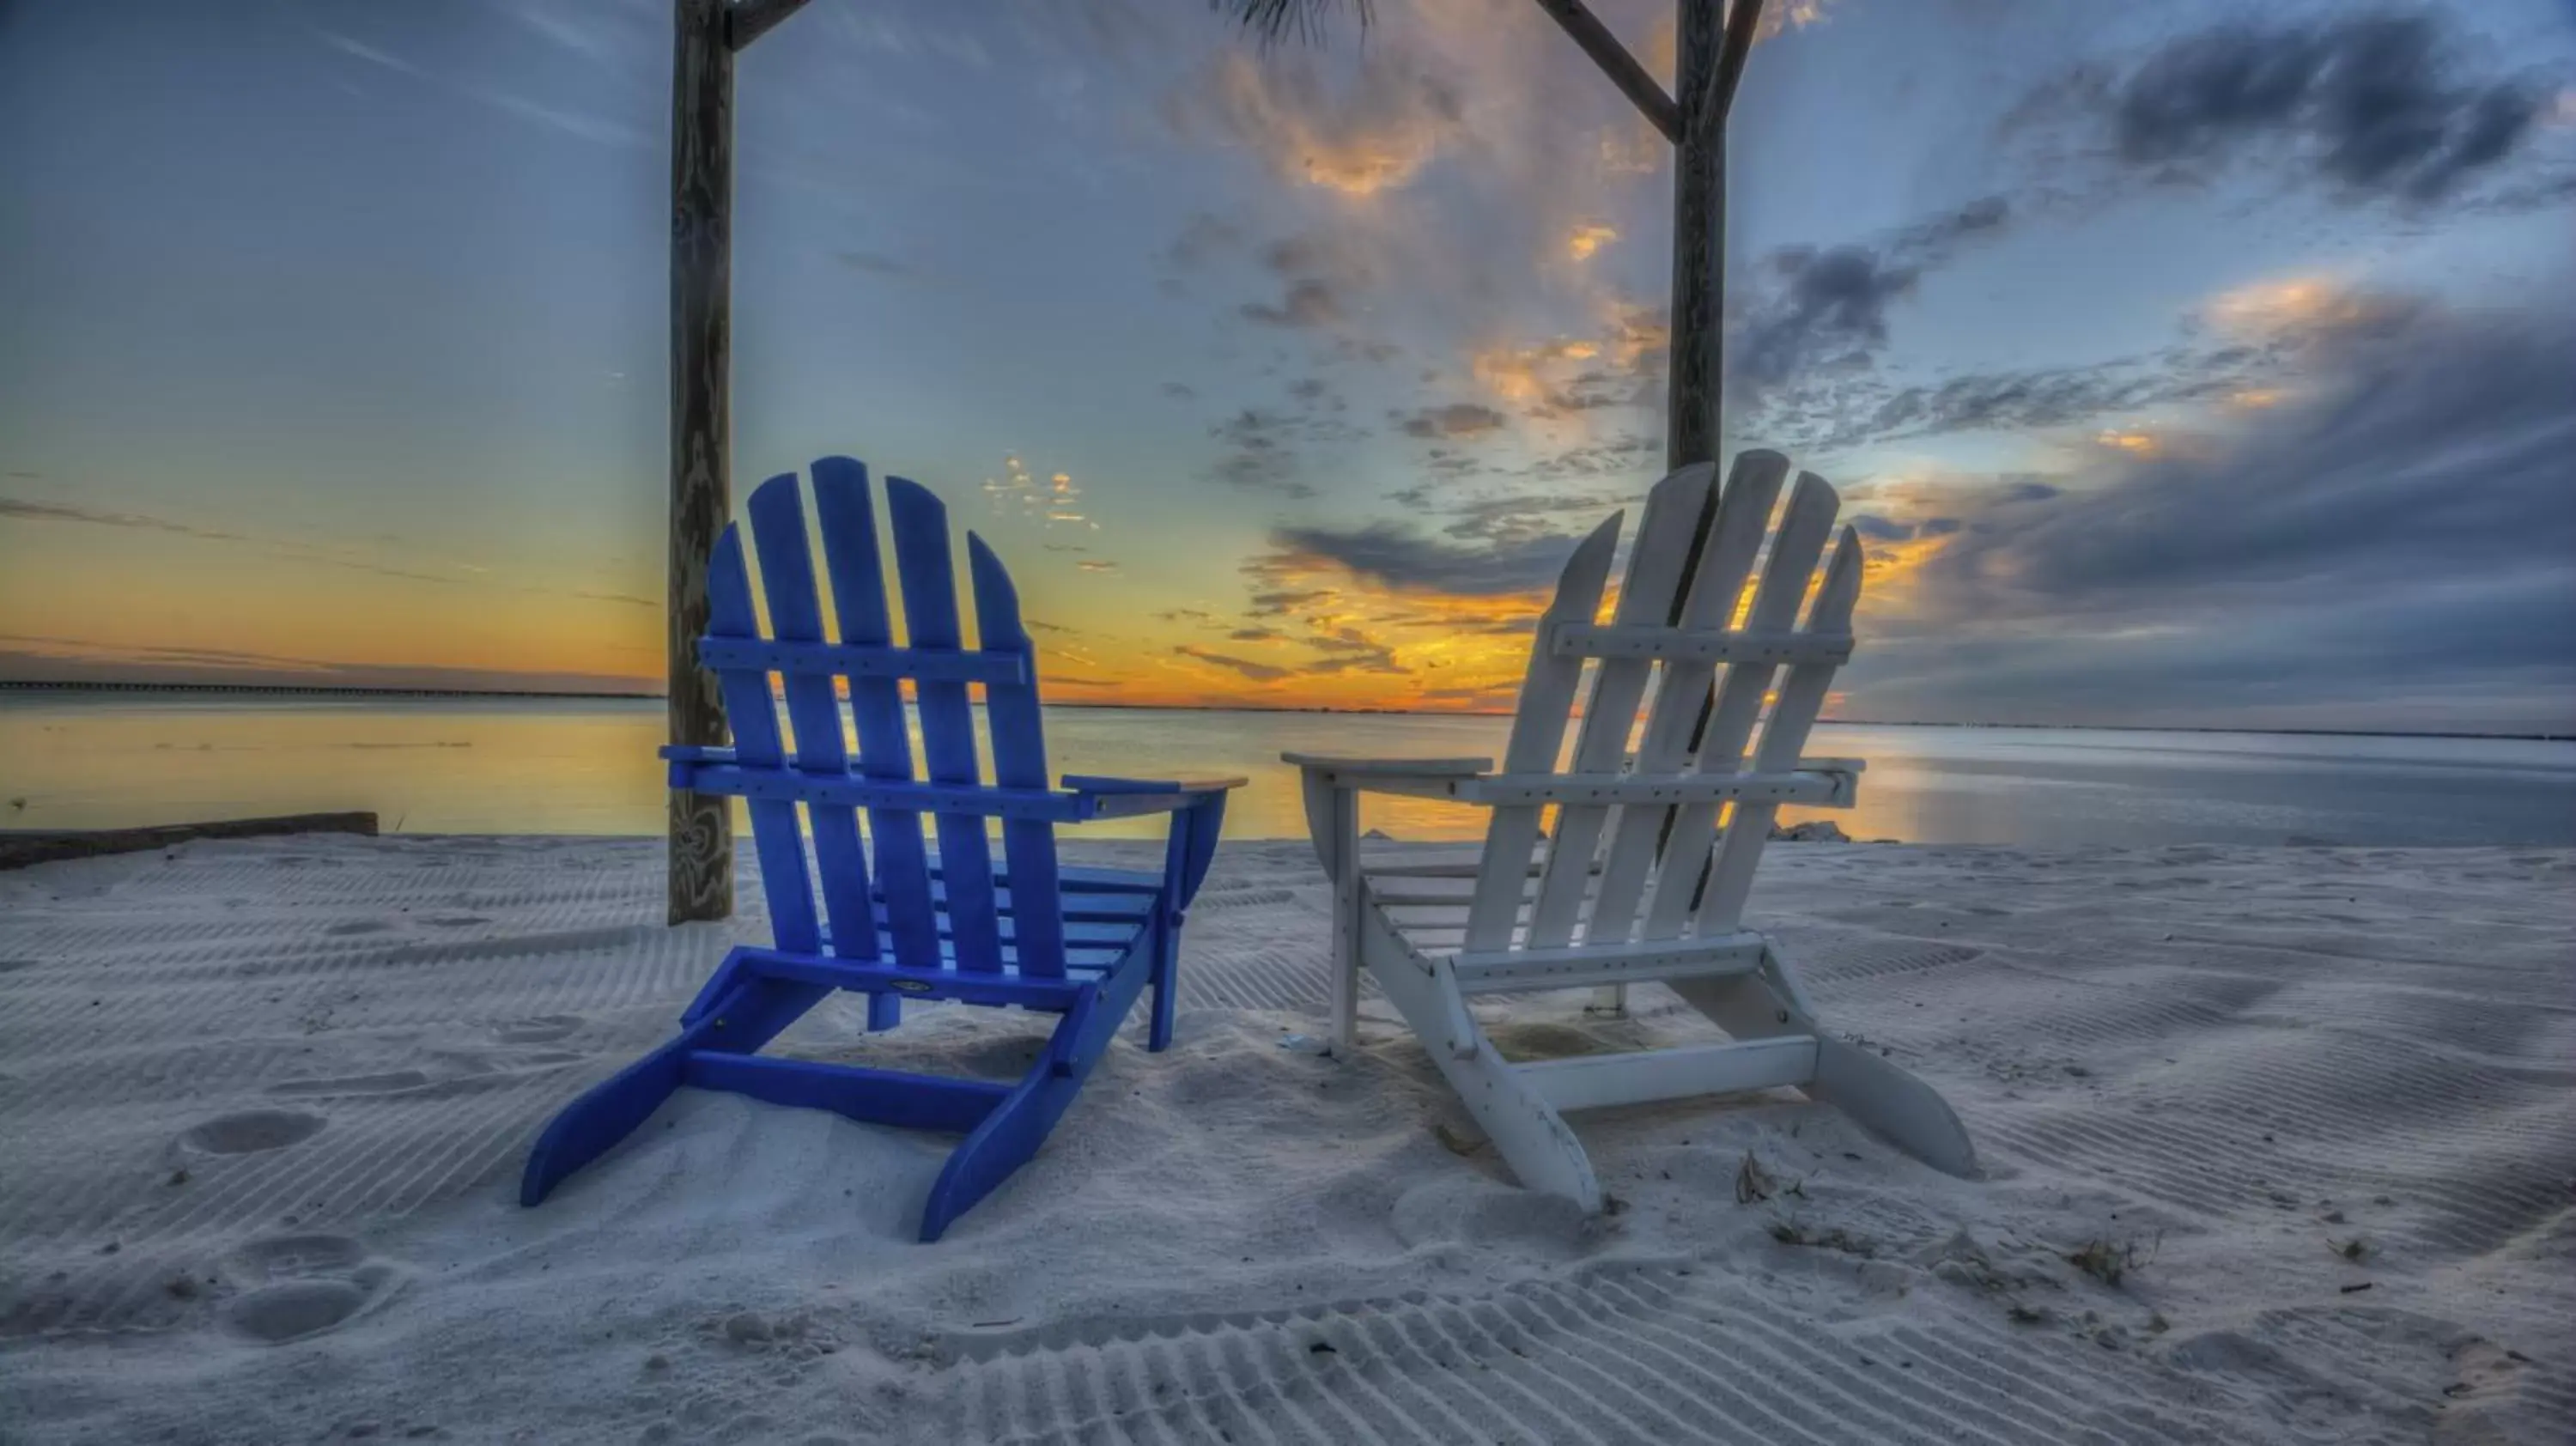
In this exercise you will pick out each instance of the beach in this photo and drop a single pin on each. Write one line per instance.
(2279, 1145)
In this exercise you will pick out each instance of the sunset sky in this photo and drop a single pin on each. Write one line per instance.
(2177, 367)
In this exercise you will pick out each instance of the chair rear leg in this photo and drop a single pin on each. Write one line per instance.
(1526, 1130)
(1015, 1129)
(1886, 1098)
(1167, 973)
(750, 1013)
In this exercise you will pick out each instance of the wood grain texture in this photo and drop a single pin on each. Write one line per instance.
(1699, 227)
(701, 828)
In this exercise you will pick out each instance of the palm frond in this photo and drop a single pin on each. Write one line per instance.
(1271, 21)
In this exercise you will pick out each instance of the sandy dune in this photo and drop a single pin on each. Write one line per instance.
(262, 1107)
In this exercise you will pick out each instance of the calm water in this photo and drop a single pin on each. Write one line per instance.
(554, 766)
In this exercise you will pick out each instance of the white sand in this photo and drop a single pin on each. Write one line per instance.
(262, 1108)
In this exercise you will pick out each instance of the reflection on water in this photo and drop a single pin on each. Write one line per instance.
(566, 766)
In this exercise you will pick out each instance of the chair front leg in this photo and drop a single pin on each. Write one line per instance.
(1187, 853)
(1349, 900)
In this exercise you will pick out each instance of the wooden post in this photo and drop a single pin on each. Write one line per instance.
(701, 827)
(1699, 257)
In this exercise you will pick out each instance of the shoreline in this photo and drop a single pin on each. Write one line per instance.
(289, 690)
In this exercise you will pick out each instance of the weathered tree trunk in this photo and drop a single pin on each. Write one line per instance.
(701, 831)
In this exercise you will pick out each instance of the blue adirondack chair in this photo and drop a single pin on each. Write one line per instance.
(1079, 942)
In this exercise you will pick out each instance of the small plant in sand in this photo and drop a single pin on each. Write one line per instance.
(2109, 1263)
(1752, 1182)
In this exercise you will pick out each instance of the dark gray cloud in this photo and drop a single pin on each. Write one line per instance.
(1882, 529)
(40, 659)
(1457, 419)
(27, 510)
(32, 511)
(2399, 549)
(1348, 650)
(1202, 239)
(1318, 275)
(2369, 103)
(1257, 672)
(1316, 395)
(1622, 456)
(872, 264)
(1517, 517)
(1309, 301)
(1405, 560)
(1258, 457)
(1824, 309)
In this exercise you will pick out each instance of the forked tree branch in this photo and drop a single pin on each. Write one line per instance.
(1742, 18)
(1615, 62)
(748, 20)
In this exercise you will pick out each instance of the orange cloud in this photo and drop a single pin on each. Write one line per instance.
(1377, 134)
(1589, 238)
(2289, 307)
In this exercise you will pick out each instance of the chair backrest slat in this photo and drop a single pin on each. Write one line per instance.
(1794, 550)
(1743, 515)
(1656, 563)
(1784, 736)
(1538, 731)
(813, 712)
(1019, 761)
(756, 744)
(929, 582)
(850, 554)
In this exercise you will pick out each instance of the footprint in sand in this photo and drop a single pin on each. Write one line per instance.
(302, 1285)
(359, 926)
(252, 1131)
(291, 1257)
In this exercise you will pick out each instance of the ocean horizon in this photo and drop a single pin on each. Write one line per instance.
(82, 758)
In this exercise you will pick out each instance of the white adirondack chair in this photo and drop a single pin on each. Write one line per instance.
(1637, 882)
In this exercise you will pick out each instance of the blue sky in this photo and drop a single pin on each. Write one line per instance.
(334, 332)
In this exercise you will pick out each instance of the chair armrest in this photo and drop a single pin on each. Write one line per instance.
(1845, 773)
(1401, 767)
(1128, 797)
(1409, 777)
(1093, 783)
